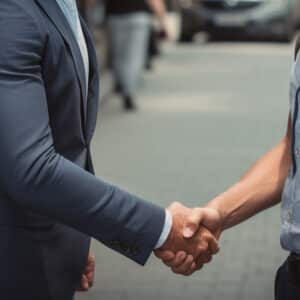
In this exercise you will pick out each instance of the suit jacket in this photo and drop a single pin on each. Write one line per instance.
(50, 201)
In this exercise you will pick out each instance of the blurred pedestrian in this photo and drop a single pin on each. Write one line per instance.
(129, 24)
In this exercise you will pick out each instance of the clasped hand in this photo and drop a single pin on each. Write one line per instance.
(193, 239)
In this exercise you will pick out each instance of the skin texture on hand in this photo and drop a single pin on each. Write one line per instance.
(208, 217)
(88, 277)
(186, 254)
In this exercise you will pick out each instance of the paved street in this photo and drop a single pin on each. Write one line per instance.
(206, 114)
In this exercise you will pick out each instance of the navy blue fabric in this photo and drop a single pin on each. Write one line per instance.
(50, 200)
(284, 290)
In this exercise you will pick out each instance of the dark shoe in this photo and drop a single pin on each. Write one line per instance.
(149, 65)
(117, 88)
(129, 104)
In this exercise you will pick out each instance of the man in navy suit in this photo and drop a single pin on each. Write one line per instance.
(51, 203)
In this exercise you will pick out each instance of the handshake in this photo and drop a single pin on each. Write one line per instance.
(193, 239)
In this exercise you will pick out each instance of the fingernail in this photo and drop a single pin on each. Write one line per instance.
(187, 232)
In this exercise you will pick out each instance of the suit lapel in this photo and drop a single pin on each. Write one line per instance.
(53, 11)
(93, 88)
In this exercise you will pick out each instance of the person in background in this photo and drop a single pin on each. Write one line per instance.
(129, 24)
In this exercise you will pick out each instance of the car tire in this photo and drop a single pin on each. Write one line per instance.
(289, 32)
(216, 37)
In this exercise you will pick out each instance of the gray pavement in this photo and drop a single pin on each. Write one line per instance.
(206, 114)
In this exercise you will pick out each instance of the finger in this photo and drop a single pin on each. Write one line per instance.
(213, 245)
(178, 260)
(192, 270)
(91, 263)
(90, 278)
(193, 223)
(204, 259)
(202, 249)
(84, 285)
(90, 270)
(165, 255)
(184, 267)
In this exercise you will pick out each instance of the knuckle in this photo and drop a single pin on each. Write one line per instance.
(207, 259)
(189, 260)
(197, 210)
(166, 262)
(201, 249)
(192, 220)
(207, 236)
(176, 204)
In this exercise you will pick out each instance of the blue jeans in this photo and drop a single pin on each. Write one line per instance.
(129, 38)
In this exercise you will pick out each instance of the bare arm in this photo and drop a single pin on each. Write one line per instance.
(260, 188)
(159, 8)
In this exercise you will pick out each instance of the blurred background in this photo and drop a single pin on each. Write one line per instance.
(192, 93)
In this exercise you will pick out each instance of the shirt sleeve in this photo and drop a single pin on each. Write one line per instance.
(166, 230)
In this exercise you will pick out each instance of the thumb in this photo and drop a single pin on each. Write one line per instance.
(192, 223)
(212, 220)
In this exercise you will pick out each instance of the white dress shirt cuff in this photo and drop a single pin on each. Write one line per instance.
(166, 230)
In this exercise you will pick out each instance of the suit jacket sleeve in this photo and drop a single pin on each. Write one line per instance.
(34, 175)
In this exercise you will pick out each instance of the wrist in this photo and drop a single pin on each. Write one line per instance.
(218, 208)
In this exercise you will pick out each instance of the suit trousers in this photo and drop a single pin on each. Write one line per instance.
(284, 290)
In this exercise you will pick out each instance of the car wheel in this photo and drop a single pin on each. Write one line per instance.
(288, 32)
(216, 37)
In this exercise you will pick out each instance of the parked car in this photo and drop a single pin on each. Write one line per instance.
(265, 19)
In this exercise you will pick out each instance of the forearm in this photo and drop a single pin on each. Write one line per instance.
(39, 179)
(159, 9)
(260, 188)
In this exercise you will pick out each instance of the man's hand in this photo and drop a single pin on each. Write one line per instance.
(194, 229)
(207, 217)
(87, 279)
(189, 245)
